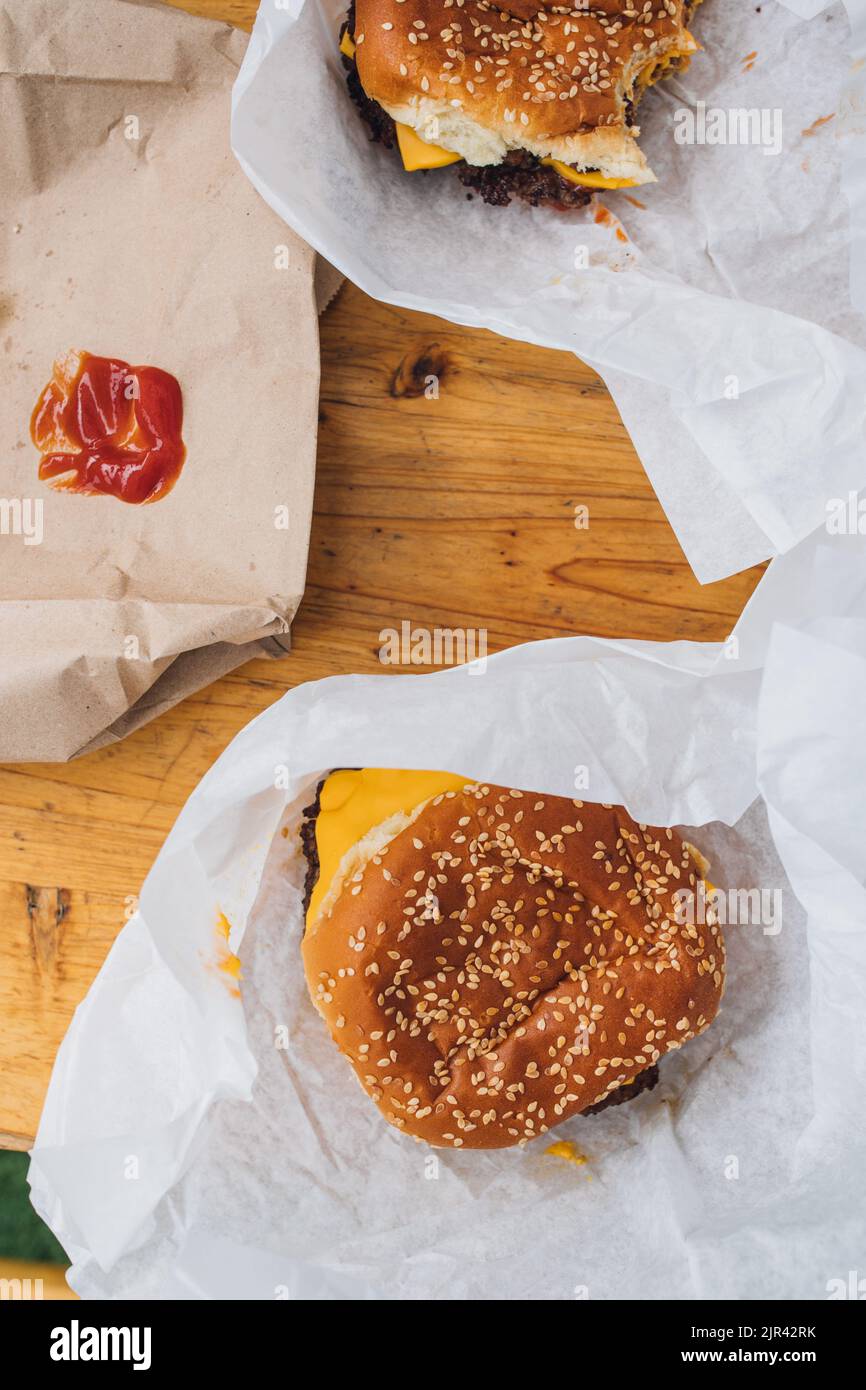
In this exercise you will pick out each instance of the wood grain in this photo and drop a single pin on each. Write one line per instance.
(452, 511)
(239, 12)
(34, 1279)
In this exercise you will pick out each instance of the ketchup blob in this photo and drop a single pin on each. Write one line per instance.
(104, 427)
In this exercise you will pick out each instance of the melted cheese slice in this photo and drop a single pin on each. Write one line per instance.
(415, 152)
(419, 154)
(656, 68)
(355, 802)
(589, 179)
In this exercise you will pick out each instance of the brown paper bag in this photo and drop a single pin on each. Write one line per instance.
(129, 231)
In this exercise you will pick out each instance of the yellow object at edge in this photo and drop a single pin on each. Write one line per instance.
(353, 802)
(589, 179)
(419, 154)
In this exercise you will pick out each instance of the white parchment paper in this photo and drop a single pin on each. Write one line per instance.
(745, 272)
(198, 1145)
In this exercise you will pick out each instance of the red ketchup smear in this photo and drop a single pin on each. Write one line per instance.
(104, 427)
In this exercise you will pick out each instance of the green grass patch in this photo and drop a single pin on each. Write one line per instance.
(23, 1235)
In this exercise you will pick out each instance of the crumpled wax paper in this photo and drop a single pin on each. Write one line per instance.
(199, 1144)
(729, 326)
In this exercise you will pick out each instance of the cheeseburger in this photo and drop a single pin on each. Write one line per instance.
(532, 102)
(492, 962)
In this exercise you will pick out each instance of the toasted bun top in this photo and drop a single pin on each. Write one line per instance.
(481, 79)
(499, 960)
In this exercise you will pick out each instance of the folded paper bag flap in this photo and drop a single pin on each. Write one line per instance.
(184, 270)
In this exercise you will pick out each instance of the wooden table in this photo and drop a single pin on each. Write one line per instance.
(450, 512)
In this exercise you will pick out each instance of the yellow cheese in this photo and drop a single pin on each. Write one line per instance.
(347, 44)
(588, 180)
(354, 802)
(565, 1149)
(418, 154)
(227, 961)
(657, 68)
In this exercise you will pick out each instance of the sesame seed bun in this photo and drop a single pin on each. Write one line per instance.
(497, 961)
(482, 79)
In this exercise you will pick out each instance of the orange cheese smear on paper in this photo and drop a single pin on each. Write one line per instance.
(605, 218)
(816, 125)
(227, 962)
(566, 1150)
